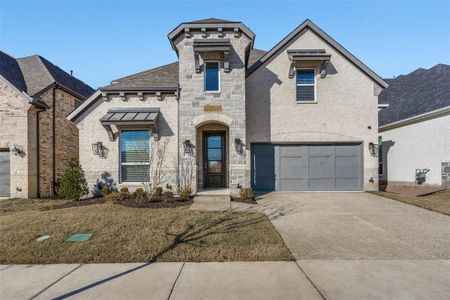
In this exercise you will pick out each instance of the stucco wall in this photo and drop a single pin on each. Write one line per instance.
(347, 104)
(13, 120)
(416, 146)
(91, 131)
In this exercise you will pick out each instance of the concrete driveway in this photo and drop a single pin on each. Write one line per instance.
(362, 246)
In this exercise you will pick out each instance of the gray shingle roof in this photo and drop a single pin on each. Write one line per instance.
(10, 70)
(34, 73)
(210, 21)
(255, 55)
(164, 76)
(414, 94)
(160, 77)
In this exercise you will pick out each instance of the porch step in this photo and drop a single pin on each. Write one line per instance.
(214, 192)
(212, 203)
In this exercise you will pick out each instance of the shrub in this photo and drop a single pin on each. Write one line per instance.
(105, 180)
(73, 183)
(124, 190)
(158, 191)
(246, 193)
(140, 195)
(185, 193)
(115, 197)
(105, 191)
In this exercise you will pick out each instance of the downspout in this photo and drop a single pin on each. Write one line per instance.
(54, 139)
(38, 156)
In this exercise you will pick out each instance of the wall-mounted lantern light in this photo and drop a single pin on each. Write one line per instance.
(239, 145)
(187, 146)
(373, 149)
(18, 150)
(99, 149)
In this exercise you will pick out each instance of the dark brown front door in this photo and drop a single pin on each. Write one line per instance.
(214, 158)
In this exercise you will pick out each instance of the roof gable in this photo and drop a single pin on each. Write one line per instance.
(39, 74)
(416, 93)
(10, 70)
(308, 24)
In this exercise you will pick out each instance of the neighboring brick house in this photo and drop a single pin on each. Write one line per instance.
(302, 116)
(415, 131)
(36, 139)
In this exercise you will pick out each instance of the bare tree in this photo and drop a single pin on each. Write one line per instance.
(185, 175)
(153, 173)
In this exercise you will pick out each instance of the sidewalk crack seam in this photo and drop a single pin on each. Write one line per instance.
(175, 282)
(310, 280)
(55, 282)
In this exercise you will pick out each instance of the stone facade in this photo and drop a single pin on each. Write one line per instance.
(91, 131)
(230, 99)
(14, 108)
(18, 119)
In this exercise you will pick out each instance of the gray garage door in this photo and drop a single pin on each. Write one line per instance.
(307, 167)
(4, 173)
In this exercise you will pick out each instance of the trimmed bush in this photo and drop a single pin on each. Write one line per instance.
(158, 191)
(124, 190)
(73, 183)
(140, 195)
(185, 193)
(115, 197)
(246, 193)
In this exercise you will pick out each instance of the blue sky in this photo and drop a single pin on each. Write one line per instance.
(104, 40)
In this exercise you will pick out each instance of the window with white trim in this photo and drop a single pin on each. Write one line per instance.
(306, 85)
(212, 76)
(134, 155)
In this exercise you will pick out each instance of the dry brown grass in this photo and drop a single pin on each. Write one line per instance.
(123, 234)
(438, 202)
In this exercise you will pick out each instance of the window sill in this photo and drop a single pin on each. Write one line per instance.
(306, 102)
(212, 92)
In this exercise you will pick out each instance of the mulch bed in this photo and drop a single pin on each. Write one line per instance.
(156, 202)
(74, 203)
(248, 201)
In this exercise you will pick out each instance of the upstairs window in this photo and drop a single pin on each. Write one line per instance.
(306, 85)
(212, 77)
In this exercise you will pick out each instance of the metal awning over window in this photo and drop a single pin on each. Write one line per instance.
(208, 47)
(302, 55)
(142, 117)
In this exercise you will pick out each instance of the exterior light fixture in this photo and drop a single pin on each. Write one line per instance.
(187, 146)
(373, 149)
(97, 148)
(17, 150)
(239, 145)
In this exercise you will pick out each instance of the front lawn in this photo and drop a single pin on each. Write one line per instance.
(438, 202)
(123, 234)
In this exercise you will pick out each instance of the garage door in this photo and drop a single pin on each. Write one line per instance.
(307, 167)
(4, 173)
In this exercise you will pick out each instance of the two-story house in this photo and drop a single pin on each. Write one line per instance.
(300, 117)
(36, 139)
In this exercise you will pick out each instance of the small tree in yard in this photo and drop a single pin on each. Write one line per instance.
(152, 174)
(185, 176)
(73, 183)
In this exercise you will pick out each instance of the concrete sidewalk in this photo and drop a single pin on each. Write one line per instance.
(226, 280)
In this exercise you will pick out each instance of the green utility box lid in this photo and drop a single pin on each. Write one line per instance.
(79, 237)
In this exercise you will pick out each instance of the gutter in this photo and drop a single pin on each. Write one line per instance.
(41, 106)
(416, 119)
(54, 139)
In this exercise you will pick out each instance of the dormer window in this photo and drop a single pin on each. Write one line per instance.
(306, 85)
(212, 77)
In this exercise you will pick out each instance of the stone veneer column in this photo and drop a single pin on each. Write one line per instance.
(231, 99)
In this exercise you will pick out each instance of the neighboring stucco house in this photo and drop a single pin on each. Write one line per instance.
(36, 139)
(298, 117)
(415, 130)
